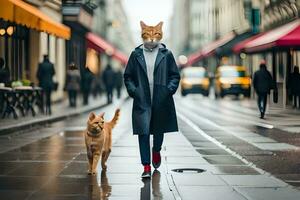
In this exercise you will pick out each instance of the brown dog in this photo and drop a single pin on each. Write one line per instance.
(98, 140)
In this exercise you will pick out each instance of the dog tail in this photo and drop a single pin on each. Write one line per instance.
(113, 122)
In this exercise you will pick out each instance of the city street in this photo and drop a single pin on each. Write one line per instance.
(227, 151)
(216, 83)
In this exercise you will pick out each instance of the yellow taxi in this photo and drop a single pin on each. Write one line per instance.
(194, 80)
(232, 80)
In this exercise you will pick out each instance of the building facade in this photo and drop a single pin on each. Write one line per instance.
(24, 46)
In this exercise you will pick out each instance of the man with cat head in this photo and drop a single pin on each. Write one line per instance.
(151, 78)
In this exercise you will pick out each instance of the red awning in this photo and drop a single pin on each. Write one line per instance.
(209, 49)
(287, 35)
(99, 44)
(238, 48)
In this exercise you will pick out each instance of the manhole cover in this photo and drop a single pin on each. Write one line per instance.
(188, 170)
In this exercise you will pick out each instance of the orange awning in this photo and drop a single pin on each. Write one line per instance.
(22, 13)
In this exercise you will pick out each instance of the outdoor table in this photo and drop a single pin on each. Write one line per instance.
(38, 98)
(9, 97)
(25, 99)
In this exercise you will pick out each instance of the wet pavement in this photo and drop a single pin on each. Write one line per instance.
(50, 162)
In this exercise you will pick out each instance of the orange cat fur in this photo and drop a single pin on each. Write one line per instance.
(151, 33)
(98, 140)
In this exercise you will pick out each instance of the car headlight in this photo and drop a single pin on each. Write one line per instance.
(186, 84)
(245, 86)
(226, 85)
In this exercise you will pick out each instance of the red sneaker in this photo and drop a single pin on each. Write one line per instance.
(156, 159)
(147, 172)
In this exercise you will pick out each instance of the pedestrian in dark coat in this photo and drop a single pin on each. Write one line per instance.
(72, 84)
(119, 82)
(294, 86)
(151, 78)
(86, 82)
(109, 82)
(262, 83)
(4, 73)
(45, 75)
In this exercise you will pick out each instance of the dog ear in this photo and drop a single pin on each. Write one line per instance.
(92, 116)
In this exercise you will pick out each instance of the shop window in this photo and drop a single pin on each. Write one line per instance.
(14, 48)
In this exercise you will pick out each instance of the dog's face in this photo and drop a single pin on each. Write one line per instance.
(96, 122)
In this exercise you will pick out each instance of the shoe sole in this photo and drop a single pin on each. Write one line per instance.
(146, 176)
(156, 166)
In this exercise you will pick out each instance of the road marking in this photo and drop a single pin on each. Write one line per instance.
(216, 142)
(277, 146)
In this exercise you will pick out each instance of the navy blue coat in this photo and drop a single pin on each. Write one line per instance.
(159, 116)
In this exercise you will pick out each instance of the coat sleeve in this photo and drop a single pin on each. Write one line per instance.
(38, 73)
(173, 74)
(255, 81)
(53, 70)
(128, 76)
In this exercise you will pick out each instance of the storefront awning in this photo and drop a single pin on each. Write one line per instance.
(22, 13)
(239, 47)
(285, 36)
(99, 44)
(209, 49)
(227, 48)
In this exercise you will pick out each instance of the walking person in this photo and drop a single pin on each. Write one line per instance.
(86, 82)
(294, 86)
(119, 82)
(109, 81)
(262, 83)
(45, 75)
(72, 84)
(151, 78)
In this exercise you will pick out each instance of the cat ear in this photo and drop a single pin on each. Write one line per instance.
(143, 25)
(102, 114)
(92, 116)
(159, 25)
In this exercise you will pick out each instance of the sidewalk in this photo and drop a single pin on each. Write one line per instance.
(60, 111)
(242, 182)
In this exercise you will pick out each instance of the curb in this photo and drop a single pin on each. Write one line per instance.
(30, 124)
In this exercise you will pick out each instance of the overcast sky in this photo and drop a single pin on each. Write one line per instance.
(149, 11)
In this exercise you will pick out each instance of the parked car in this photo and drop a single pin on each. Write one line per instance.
(194, 80)
(232, 80)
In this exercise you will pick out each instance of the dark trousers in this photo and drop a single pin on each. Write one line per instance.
(47, 94)
(72, 97)
(144, 144)
(85, 95)
(296, 98)
(262, 102)
(118, 92)
(109, 94)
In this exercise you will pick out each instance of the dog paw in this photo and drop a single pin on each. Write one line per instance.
(94, 173)
(89, 172)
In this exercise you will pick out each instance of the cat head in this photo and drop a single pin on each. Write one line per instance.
(151, 35)
(95, 122)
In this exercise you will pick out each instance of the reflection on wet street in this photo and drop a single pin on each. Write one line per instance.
(219, 152)
(55, 167)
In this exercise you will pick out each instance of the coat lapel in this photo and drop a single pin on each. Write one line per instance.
(141, 59)
(160, 56)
